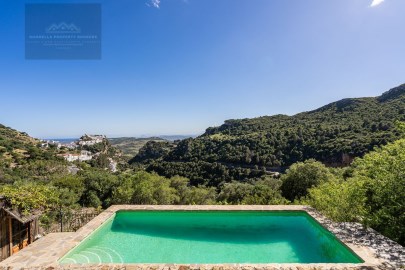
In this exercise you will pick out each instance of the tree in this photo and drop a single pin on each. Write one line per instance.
(235, 192)
(145, 188)
(98, 187)
(71, 188)
(150, 188)
(200, 195)
(383, 175)
(338, 200)
(262, 192)
(265, 193)
(29, 196)
(373, 194)
(122, 194)
(301, 176)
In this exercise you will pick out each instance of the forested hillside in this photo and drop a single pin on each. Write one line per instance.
(17, 147)
(130, 146)
(22, 156)
(369, 191)
(334, 134)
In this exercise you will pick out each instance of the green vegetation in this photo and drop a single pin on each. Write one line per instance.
(152, 150)
(130, 146)
(17, 148)
(204, 173)
(22, 157)
(373, 194)
(303, 175)
(261, 192)
(233, 164)
(146, 188)
(371, 191)
(29, 196)
(334, 135)
(98, 187)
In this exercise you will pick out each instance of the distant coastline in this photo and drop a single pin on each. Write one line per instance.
(164, 137)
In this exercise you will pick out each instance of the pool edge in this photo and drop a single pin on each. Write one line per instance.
(51, 258)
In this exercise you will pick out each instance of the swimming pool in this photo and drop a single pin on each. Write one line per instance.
(210, 237)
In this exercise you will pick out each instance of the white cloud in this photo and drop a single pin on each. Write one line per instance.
(153, 3)
(376, 3)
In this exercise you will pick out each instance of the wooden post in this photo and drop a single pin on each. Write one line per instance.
(29, 226)
(10, 236)
(3, 237)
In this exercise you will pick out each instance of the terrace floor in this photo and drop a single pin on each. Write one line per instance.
(377, 251)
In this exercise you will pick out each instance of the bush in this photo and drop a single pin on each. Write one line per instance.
(28, 196)
(301, 176)
(374, 194)
(260, 192)
(383, 174)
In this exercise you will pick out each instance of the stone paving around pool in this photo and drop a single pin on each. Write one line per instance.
(377, 251)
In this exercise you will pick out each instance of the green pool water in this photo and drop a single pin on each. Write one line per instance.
(191, 237)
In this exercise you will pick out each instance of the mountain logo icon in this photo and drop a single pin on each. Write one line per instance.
(63, 28)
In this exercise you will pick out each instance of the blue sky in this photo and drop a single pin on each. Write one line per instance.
(180, 66)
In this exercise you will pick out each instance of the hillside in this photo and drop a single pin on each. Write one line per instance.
(334, 134)
(17, 147)
(173, 138)
(130, 146)
(25, 158)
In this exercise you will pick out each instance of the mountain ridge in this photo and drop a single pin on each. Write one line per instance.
(334, 134)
